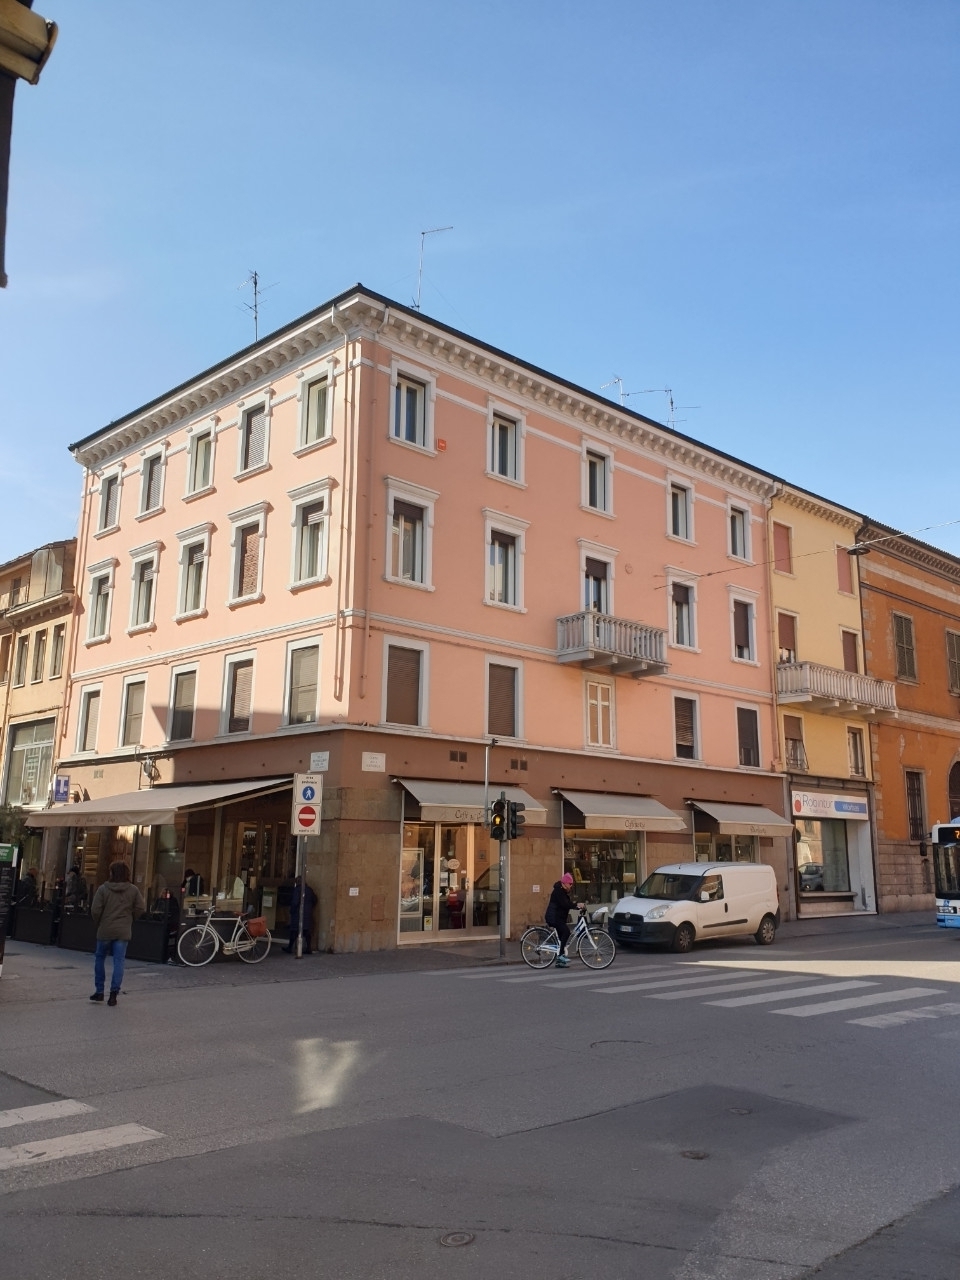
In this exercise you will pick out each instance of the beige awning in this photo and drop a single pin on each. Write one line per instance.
(463, 801)
(154, 805)
(604, 812)
(745, 819)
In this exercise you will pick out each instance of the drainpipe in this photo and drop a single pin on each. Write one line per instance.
(778, 762)
(346, 498)
(368, 574)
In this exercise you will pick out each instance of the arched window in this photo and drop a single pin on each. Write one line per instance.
(953, 789)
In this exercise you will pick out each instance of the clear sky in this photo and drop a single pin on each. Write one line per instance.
(753, 202)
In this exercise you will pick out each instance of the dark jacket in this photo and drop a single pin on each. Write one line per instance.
(115, 907)
(559, 906)
(309, 902)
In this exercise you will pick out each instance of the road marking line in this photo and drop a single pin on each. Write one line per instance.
(42, 1111)
(767, 997)
(899, 1016)
(739, 985)
(75, 1144)
(581, 978)
(858, 1002)
(725, 976)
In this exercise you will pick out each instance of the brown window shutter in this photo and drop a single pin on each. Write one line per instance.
(502, 706)
(851, 651)
(844, 571)
(92, 720)
(684, 713)
(152, 496)
(681, 594)
(249, 560)
(748, 736)
(403, 685)
(793, 728)
(596, 568)
(782, 551)
(241, 687)
(254, 438)
(412, 514)
(787, 634)
(741, 624)
(304, 671)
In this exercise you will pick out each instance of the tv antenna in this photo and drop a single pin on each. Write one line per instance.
(254, 307)
(672, 408)
(433, 231)
(618, 382)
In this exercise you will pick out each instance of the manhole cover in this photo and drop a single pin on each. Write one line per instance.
(454, 1239)
(741, 1111)
(694, 1155)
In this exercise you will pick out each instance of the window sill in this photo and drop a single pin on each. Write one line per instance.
(94, 640)
(684, 648)
(908, 680)
(21, 685)
(409, 444)
(253, 471)
(407, 582)
(188, 617)
(412, 728)
(177, 742)
(745, 662)
(597, 511)
(688, 759)
(784, 573)
(307, 583)
(304, 726)
(517, 484)
(744, 560)
(502, 604)
(199, 493)
(313, 446)
(242, 600)
(144, 626)
(686, 542)
(148, 515)
(103, 533)
(607, 751)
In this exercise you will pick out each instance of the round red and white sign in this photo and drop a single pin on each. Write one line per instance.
(306, 815)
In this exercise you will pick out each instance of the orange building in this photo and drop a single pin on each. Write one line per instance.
(910, 595)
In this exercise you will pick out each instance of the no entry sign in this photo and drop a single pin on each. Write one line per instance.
(307, 793)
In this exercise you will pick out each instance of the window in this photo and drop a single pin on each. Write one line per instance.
(303, 679)
(194, 564)
(131, 728)
(20, 666)
(403, 685)
(680, 511)
(505, 448)
(141, 609)
(315, 420)
(502, 701)
(31, 757)
(682, 601)
(16, 592)
(851, 651)
(786, 637)
(249, 533)
(109, 502)
(56, 650)
(39, 656)
(685, 728)
(311, 541)
(89, 720)
(782, 548)
(599, 714)
(953, 661)
(5, 659)
(855, 753)
(748, 737)
(150, 493)
(239, 695)
(502, 575)
(598, 481)
(101, 590)
(793, 737)
(182, 705)
(844, 571)
(406, 548)
(906, 652)
(200, 462)
(739, 526)
(253, 438)
(743, 630)
(596, 586)
(409, 411)
(916, 816)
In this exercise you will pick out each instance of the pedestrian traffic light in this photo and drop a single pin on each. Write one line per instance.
(498, 819)
(515, 820)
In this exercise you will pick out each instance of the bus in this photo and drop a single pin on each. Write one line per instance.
(945, 841)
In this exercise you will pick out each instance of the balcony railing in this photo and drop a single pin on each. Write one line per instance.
(830, 689)
(599, 640)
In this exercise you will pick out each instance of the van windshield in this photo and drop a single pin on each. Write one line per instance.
(664, 885)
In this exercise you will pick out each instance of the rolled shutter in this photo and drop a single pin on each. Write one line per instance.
(249, 561)
(240, 693)
(680, 593)
(782, 552)
(304, 668)
(844, 571)
(502, 704)
(793, 728)
(851, 651)
(91, 722)
(152, 494)
(748, 736)
(741, 625)
(403, 685)
(684, 713)
(786, 635)
(254, 438)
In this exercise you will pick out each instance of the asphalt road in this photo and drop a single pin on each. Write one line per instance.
(743, 1113)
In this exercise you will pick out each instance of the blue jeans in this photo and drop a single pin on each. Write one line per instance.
(118, 950)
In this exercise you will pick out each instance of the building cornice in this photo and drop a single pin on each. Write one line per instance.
(908, 550)
(814, 506)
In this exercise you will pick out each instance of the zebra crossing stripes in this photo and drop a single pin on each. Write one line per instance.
(739, 984)
(768, 997)
(858, 1002)
(42, 1111)
(897, 1017)
(63, 1146)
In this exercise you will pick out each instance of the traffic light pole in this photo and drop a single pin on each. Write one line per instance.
(504, 860)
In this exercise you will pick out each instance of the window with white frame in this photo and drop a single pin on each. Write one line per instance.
(504, 549)
(739, 521)
(682, 617)
(316, 405)
(39, 656)
(303, 681)
(597, 488)
(131, 715)
(600, 726)
(856, 754)
(57, 650)
(253, 438)
(596, 585)
(685, 728)
(680, 522)
(143, 590)
(238, 694)
(409, 532)
(504, 447)
(404, 698)
(249, 532)
(193, 560)
(748, 737)
(410, 411)
(503, 699)
(20, 662)
(183, 699)
(89, 720)
(151, 489)
(310, 512)
(200, 461)
(101, 594)
(743, 630)
(109, 502)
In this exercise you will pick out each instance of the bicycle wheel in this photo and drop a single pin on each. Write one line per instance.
(539, 947)
(596, 949)
(252, 950)
(197, 946)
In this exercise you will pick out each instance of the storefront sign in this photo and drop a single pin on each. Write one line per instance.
(818, 804)
(61, 788)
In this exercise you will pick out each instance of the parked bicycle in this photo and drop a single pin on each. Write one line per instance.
(250, 940)
(540, 945)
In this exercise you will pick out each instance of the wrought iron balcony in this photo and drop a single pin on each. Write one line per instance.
(836, 692)
(615, 644)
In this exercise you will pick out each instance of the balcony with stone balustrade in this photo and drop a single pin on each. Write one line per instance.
(835, 692)
(617, 646)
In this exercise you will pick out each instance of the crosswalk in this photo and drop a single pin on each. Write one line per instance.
(792, 995)
(39, 1148)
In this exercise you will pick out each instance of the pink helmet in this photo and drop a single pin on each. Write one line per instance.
(566, 879)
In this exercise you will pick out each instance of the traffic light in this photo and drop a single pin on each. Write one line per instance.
(498, 819)
(515, 820)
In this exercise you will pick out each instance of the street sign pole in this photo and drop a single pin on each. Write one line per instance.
(504, 859)
(304, 821)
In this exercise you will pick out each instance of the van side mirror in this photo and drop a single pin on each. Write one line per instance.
(704, 896)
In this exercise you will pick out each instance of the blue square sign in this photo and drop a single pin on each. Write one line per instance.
(61, 789)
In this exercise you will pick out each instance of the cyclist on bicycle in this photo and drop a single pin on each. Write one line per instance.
(558, 908)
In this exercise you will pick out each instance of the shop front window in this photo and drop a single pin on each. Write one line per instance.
(822, 863)
(449, 880)
(604, 868)
(31, 756)
(727, 848)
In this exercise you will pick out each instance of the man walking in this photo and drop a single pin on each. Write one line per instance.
(116, 905)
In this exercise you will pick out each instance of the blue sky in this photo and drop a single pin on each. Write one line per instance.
(753, 203)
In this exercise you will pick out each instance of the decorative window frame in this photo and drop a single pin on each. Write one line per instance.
(675, 481)
(686, 578)
(147, 456)
(245, 407)
(111, 473)
(498, 409)
(149, 553)
(207, 426)
(182, 669)
(497, 522)
(135, 677)
(82, 704)
(594, 677)
(188, 538)
(758, 712)
(864, 732)
(596, 551)
(102, 569)
(305, 496)
(254, 514)
(733, 505)
(302, 642)
(418, 496)
(796, 630)
(318, 370)
(407, 642)
(687, 696)
(600, 450)
(415, 373)
(744, 595)
(230, 660)
(498, 660)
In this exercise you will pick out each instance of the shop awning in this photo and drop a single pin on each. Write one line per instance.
(745, 819)
(154, 805)
(623, 813)
(463, 801)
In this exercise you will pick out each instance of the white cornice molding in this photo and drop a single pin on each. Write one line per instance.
(819, 507)
(903, 548)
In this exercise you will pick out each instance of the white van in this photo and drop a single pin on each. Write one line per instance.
(689, 901)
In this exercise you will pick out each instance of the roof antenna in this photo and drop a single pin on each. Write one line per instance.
(619, 383)
(254, 307)
(672, 408)
(433, 231)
